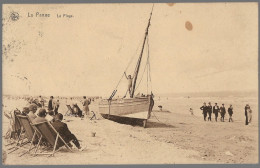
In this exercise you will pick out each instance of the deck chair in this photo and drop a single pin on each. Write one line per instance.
(70, 110)
(28, 132)
(15, 129)
(48, 132)
(79, 111)
(93, 116)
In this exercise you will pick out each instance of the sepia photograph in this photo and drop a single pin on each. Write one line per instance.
(130, 83)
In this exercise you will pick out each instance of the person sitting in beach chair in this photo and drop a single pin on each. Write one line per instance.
(41, 117)
(31, 114)
(64, 131)
(78, 110)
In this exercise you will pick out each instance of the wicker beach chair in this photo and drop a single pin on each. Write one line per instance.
(48, 132)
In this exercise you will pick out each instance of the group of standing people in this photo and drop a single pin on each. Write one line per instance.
(207, 110)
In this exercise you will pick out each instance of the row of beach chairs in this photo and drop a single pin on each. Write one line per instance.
(72, 112)
(42, 137)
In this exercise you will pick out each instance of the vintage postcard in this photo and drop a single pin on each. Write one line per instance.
(130, 83)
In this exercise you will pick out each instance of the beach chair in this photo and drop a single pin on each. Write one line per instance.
(28, 132)
(48, 132)
(93, 116)
(70, 111)
(79, 111)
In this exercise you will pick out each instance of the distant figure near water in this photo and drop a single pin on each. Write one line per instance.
(222, 112)
(204, 110)
(230, 112)
(50, 104)
(130, 81)
(246, 112)
(209, 111)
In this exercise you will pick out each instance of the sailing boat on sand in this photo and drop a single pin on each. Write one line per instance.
(122, 110)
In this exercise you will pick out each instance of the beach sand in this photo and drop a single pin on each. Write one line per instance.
(172, 136)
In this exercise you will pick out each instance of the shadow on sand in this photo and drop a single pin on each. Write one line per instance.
(151, 124)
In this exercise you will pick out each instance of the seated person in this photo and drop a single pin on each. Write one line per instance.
(50, 116)
(41, 117)
(32, 111)
(25, 111)
(64, 132)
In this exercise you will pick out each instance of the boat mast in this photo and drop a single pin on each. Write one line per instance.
(140, 57)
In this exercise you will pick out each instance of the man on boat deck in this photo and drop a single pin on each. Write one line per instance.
(129, 87)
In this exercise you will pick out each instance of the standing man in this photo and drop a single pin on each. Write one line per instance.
(41, 101)
(216, 111)
(56, 107)
(209, 111)
(86, 102)
(50, 104)
(222, 112)
(204, 110)
(246, 114)
(230, 112)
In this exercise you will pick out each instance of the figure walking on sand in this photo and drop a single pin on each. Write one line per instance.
(216, 111)
(191, 111)
(249, 114)
(130, 81)
(86, 102)
(230, 112)
(209, 108)
(246, 113)
(204, 110)
(222, 112)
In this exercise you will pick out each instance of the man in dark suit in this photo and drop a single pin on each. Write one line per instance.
(50, 104)
(64, 131)
(215, 111)
(209, 108)
(204, 110)
(222, 113)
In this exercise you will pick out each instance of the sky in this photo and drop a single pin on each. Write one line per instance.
(193, 47)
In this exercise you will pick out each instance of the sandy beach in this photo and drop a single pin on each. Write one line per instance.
(172, 136)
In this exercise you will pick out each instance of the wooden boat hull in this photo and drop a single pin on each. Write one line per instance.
(123, 110)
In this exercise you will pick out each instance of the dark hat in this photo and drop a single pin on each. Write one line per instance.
(222, 104)
(216, 103)
(42, 112)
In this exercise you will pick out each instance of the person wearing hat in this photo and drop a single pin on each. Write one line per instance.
(32, 111)
(246, 114)
(230, 112)
(222, 113)
(216, 111)
(209, 108)
(64, 131)
(41, 116)
(204, 109)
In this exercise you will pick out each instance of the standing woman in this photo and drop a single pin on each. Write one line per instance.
(50, 104)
